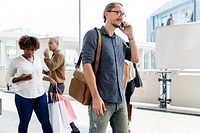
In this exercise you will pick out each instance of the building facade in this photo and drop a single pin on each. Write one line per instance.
(182, 11)
(9, 47)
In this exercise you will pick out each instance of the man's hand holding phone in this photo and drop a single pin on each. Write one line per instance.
(126, 28)
(121, 27)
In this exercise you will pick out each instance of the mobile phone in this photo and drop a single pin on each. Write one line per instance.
(121, 27)
(29, 75)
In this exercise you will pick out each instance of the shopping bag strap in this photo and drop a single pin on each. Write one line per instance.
(54, 94)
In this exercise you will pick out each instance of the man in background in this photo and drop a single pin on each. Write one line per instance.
(57, 69)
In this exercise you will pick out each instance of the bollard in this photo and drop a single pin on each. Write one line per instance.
(8, 87)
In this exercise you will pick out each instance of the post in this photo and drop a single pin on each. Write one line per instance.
(164, 89)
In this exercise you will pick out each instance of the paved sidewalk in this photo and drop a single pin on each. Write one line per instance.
(144, 121)
(9, 118)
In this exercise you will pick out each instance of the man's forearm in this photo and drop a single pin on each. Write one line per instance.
(134, 50)
(91, 80)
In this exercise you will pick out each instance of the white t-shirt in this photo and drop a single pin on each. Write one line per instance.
(131, 70)
(31, 88)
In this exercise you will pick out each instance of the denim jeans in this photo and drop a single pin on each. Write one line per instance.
(116, 113)
(61, 87)
(25, 109)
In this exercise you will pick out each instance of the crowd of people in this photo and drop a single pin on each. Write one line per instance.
(111, 88)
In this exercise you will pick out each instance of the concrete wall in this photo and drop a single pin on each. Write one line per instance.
(150, 91)
(2, 78)
(184, 89)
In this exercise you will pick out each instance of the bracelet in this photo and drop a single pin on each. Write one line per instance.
(131, 38)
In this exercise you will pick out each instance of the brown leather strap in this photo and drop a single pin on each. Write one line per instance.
(98, 53)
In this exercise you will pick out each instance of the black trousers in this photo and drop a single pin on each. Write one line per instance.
(129, 90)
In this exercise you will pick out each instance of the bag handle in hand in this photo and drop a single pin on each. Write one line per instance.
(54, 94)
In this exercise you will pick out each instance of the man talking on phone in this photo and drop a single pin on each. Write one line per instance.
(107, 90)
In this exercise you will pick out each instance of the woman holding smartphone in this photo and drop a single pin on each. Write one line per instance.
(25, 73)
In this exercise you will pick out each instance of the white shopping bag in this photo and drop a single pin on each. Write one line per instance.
(58, 117)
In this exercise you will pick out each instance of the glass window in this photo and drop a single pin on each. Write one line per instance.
(149, 59)
(8, 51)
(71, 58)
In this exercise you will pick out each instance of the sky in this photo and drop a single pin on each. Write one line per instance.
(61, 17)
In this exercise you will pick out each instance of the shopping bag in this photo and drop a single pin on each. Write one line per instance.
(71, 116)
(58, 117)
(78, 88)
(61, 112)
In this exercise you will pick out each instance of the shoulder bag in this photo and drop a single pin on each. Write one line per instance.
(78, 88)
(137, 79)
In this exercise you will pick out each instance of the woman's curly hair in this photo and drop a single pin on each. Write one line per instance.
(26, 41)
